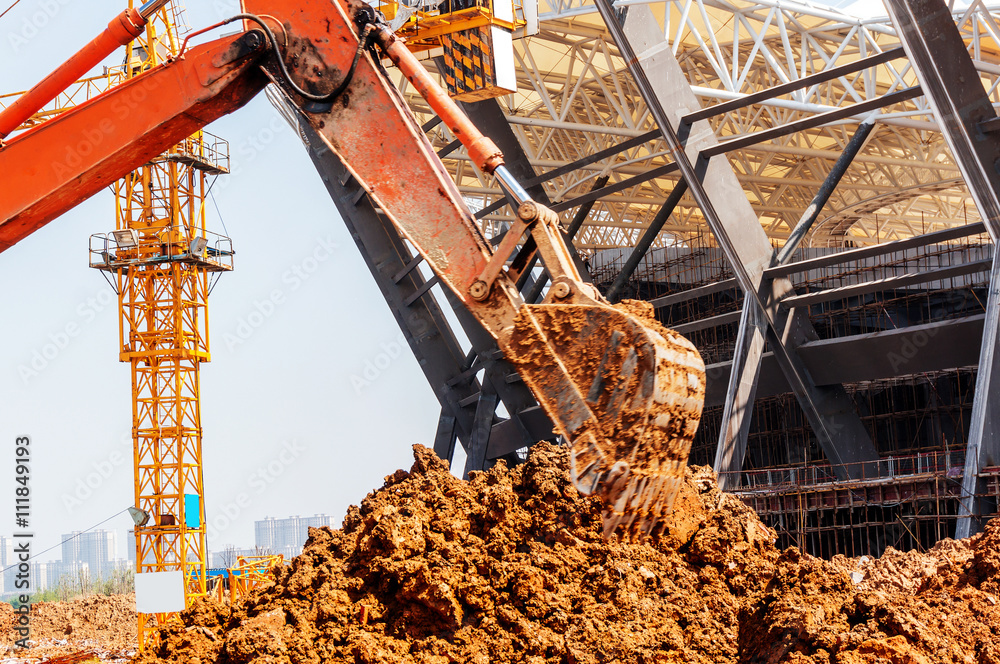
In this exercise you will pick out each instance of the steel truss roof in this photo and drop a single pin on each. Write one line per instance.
(576, 97)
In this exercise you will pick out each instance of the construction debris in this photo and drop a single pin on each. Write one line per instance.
(511, 567)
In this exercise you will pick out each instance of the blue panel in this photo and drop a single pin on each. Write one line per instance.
(192, 510)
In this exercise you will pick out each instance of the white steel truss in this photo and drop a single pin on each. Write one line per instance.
(576, 97)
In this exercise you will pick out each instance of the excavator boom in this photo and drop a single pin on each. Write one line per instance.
(625, 393)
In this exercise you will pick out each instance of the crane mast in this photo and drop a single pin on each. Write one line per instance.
(162, 262)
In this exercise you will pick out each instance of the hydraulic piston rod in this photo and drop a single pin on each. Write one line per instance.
(120, 31)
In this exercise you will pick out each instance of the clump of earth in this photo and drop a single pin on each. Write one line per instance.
(511, 566)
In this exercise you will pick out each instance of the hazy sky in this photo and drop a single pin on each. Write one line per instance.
(287, 386)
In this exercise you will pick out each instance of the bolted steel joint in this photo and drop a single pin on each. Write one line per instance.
(561, 290)
(528, 211)
(479, 290)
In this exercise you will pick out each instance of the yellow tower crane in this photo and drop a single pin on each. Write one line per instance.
(163, 262)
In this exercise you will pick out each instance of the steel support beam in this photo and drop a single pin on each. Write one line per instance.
(983, 447)
(963, 110)
(826, 190)
(422, 322)
(767, 135)
(883, 249)
(668, 96)
(888, 283)
(804, 82)
(749, 351)
(740, 394)
(605, 191)
(835, 258)
(596, 193)
(485, 412)
(498, 377)
(444, 439)
(929, 347)
(646, 240)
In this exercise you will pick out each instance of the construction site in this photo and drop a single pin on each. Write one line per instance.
(704, 290)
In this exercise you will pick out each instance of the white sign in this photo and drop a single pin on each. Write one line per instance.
(159, 592)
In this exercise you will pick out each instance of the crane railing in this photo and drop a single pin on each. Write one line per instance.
(119, 249)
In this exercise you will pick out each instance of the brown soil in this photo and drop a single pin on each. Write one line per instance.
(511, 567)
(104, 626)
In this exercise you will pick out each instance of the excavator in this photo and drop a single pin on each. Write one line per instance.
(624, 393)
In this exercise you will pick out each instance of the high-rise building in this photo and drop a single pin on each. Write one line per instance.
(71, 572)
(8, 563)
(96, 548)
(287, 536)
(41, 575)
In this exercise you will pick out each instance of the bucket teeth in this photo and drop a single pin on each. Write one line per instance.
(625, 393)
(640, 508)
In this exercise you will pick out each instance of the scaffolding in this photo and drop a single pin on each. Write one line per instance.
(918, 422)
(908, 502)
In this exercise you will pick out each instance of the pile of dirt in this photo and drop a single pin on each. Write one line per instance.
(511, 567)
(102, 625)
(111, 619)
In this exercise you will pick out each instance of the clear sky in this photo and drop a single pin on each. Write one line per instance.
(287, 386)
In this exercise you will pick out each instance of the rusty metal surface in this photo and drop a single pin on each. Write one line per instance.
(55, 166)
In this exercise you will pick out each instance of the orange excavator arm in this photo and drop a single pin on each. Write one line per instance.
(625, 393)
(55, 166)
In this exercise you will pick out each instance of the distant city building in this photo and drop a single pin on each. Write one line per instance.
(40, 575)
(43, 576)
(70, 572)
(7, 559)
(96, 548)
(287, 536)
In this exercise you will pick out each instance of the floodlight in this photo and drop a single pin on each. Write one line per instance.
(139, 517)
(127, 238)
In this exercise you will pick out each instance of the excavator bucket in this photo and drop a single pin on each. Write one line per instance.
(625, 392)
